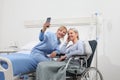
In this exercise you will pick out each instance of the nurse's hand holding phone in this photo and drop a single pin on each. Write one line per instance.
(46, 24)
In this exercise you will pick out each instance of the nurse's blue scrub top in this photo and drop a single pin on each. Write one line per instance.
(48, 43)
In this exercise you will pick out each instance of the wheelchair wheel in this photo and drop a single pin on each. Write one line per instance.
(91, 73)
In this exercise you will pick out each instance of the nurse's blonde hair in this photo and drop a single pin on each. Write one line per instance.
(62, 27)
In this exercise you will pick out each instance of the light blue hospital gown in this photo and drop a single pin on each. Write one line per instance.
(77, 48)
(48, 43)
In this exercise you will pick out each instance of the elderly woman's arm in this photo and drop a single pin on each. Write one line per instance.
(63, 48)
(80, 50)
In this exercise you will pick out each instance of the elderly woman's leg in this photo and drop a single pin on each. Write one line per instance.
(51, 71)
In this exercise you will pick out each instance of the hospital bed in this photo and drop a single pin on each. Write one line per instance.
(14, 65)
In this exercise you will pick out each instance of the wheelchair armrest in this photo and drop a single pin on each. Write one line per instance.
(60, 55)
(81, 56)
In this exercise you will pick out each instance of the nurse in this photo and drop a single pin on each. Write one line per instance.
(49, 43)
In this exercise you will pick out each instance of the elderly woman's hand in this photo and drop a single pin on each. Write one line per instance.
(62, 58)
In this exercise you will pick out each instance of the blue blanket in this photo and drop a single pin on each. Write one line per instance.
(22, 63)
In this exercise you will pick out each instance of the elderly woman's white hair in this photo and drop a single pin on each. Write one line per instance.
(76, 31)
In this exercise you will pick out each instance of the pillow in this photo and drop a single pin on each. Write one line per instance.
(24, 51)
(87, 48)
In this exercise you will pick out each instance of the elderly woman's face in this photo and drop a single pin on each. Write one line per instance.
(72, 35)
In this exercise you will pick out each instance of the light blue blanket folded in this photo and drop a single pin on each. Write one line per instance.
(22, 63)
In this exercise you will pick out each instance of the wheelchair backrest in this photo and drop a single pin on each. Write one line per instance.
(93, 44)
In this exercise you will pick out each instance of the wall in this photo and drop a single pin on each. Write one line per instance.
(15, 12)
(1, 8)
(109, 61)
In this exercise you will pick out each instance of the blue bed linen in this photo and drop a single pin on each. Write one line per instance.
(22, 63)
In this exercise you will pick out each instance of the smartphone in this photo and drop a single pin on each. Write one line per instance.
(48, 19)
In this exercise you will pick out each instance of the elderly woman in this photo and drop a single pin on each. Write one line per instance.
(54, 70)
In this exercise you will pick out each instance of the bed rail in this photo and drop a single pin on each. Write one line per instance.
(8, 73)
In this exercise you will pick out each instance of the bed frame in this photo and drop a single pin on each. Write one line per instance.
(62, 21)
(8, 73)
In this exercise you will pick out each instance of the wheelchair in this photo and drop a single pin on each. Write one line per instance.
(83, 71)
